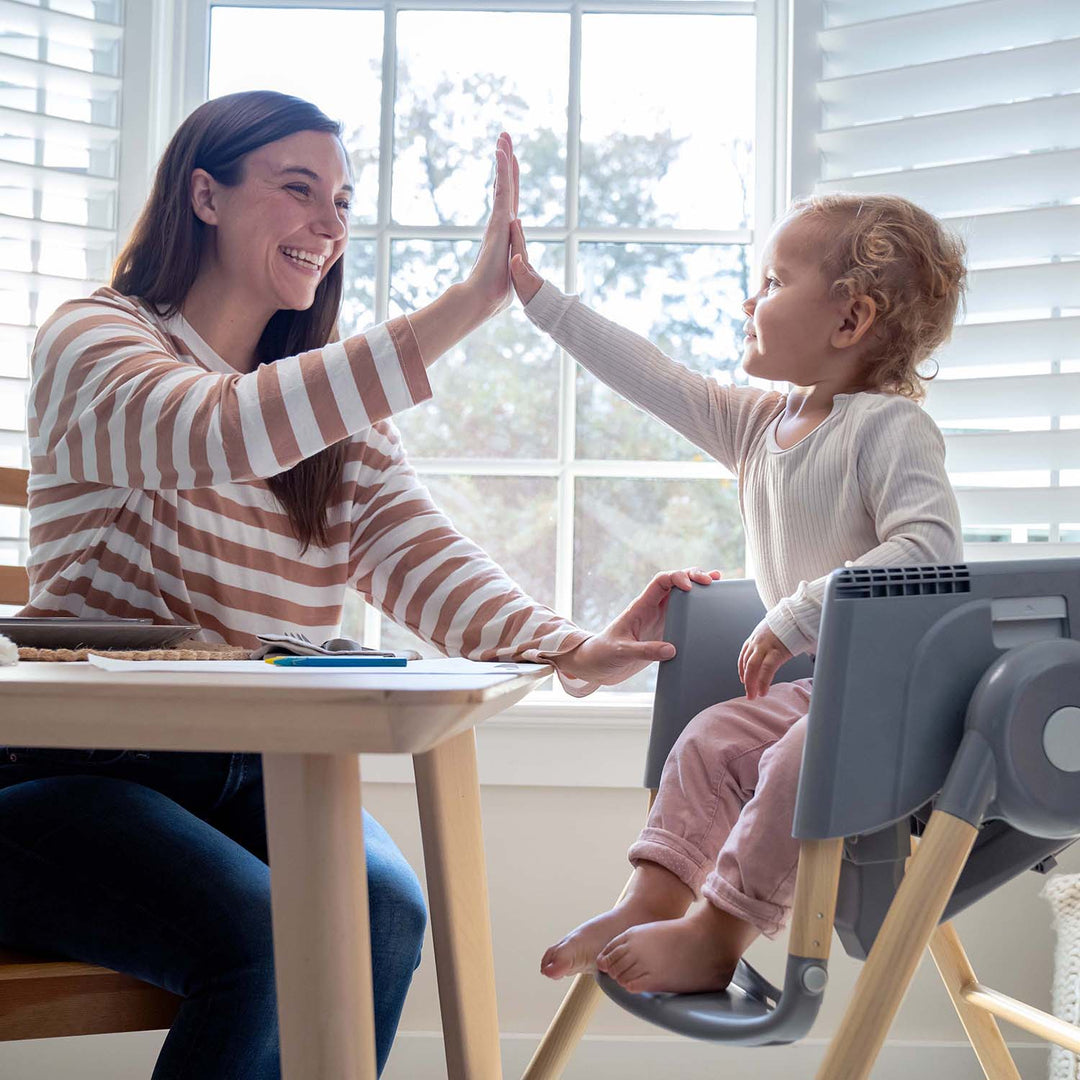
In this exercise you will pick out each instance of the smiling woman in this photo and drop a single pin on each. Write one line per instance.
(203, 451)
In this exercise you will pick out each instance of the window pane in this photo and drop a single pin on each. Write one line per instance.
(627, 530)
(667, 120)
(358, 299)
(330, 58)
(683, 299)
(512, 518)
(462, 78)
(496, 394)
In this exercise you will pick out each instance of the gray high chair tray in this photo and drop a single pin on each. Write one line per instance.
(954, 688)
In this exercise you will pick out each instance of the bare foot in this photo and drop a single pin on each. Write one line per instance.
(654, 894)
(694, 954)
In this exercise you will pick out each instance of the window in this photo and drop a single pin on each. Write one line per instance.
(972, 110)
(636, 130)
(59, 155)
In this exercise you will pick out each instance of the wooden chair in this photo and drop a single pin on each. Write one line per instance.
(43, 998)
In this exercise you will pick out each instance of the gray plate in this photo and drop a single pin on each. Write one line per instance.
(64, 633)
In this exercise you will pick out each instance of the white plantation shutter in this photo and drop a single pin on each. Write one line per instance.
(973, 111)
(59, 147)
(60, 80)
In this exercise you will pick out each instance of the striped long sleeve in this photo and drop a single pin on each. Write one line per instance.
(149, 496)
(111, 404)
(411, 561)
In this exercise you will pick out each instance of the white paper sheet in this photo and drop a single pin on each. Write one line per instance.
(443, 666)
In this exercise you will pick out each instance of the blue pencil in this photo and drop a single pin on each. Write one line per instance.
(337, 661)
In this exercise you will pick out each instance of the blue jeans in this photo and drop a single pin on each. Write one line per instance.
(155, 864)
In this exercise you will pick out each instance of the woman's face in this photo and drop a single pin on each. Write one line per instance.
(278, 231)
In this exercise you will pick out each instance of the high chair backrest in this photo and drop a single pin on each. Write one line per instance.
(901, 652)
(14, 584)
(707, 626)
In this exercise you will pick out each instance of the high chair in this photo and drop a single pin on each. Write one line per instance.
(46, 997)
(946, 706)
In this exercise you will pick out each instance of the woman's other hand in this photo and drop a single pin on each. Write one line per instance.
(489, 279)
(526, 280)
(760, 658)
(634, 639)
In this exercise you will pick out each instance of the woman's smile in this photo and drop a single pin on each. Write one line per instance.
(307, 262)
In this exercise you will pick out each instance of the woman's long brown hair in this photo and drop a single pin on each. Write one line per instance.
(160, 262)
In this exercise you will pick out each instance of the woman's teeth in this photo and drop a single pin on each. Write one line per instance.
(305, 259)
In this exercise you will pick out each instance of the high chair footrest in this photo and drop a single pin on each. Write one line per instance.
(751, 1012)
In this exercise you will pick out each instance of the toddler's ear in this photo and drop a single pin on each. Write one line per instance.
(855, 322)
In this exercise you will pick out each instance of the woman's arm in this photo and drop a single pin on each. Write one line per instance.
(715, 418)
(112, 404)
(409, 560)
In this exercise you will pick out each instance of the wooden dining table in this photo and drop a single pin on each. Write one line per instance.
(310, 726)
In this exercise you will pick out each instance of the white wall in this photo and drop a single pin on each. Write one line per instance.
(555, 856)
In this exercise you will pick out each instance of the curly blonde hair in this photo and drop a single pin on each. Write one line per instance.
(907, 263)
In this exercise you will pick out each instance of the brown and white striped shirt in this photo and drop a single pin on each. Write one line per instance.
(148, 493)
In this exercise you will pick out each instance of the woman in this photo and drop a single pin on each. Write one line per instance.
(201, 452)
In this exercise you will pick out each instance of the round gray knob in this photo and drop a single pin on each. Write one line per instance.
(1061, 739)
(814, 979)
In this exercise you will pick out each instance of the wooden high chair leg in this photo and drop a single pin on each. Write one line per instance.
(982, 1029)
(570, 1022)
(910, 923)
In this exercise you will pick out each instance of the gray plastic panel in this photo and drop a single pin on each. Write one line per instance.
(707, 626)
(900, 654)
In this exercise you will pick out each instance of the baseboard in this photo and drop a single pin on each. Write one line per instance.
(418, 1055)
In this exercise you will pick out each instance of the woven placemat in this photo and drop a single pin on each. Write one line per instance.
(186, 650)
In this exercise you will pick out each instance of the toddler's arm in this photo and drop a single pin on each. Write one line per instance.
(713, 417)
(900, 459)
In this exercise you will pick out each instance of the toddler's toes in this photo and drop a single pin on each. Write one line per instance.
(567, 957)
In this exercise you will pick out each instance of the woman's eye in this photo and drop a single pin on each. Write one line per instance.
(344, 204)
(302, 189)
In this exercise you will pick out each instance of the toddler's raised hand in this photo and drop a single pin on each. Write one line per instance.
(761, 656)
(526, 280)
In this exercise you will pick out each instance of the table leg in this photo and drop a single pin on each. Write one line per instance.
(448, 794)
(322, 942)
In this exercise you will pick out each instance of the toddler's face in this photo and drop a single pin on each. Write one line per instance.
(792, 316)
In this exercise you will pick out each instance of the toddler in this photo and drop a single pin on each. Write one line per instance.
(844, 468)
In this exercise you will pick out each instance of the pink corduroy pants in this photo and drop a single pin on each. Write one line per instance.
(722, 817)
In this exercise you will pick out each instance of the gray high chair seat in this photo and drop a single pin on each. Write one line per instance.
(946, 700)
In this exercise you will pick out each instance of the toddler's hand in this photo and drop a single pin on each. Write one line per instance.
(762, 655)
(526, 280)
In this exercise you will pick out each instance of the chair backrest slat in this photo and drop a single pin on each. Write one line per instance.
(14, 584)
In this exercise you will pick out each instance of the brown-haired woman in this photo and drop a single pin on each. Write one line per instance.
(202, 452)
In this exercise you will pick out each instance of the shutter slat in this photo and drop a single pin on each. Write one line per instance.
(17, 228)
(979, 552)
(945, 33)
(1018, 506)
(1005, 75)
(31, 125)
(1008, 396)
(42, 178)
(20, 71)
(20, 280)
(1015, 450)
(1018, 288)
(1000, 184)
(37, 21)
(1007, 342)
(1017, 236)
(987, 131)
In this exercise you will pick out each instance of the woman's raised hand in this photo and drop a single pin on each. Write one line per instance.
(490, 276)
(526, 280)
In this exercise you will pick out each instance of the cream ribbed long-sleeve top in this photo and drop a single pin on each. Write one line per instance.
(867, 487)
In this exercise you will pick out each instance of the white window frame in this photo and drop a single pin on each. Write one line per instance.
(169, 79)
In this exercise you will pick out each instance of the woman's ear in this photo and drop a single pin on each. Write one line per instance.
(856, 318)
(203, 196)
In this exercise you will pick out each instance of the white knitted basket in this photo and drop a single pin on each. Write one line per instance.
(1063, 892)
